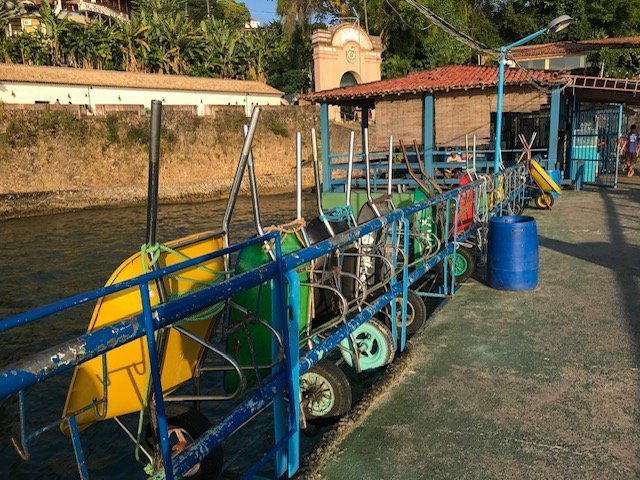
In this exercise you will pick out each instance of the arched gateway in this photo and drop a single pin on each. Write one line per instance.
(344, 55)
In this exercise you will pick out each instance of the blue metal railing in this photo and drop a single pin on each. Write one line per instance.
(379, 166)
(283, 382)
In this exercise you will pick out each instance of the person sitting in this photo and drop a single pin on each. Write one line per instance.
(453, 158)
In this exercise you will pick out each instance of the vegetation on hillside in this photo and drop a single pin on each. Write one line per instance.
(206, 38)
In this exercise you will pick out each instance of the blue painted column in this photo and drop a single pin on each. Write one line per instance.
(620, 115)
(497, 156)
(428, 127)
(325, 147)
(554, 124)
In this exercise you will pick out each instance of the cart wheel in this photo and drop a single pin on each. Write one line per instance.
(544, 201)
(375, 344)
(416, 313)
(465, 264)
(186, 425)
(325, 391)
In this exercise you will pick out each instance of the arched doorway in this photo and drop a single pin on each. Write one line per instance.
(349, 112)
(348, 80)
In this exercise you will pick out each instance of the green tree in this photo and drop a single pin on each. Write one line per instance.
(258, 45)
(289, 64)
(623, 63)
(28, 49)
(132, 42)
(235, 14)
(591, 18)
(53, 28)
(199, 10)
(222, 49)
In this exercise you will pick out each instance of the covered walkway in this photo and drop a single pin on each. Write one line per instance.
(542, 384)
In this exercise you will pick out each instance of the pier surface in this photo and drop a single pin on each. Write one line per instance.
(541, 384)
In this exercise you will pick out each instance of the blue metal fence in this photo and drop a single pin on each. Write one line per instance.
(595, 145)
(335, 175)
(491, 194)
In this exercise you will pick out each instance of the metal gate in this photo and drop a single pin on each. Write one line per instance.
(595, 146)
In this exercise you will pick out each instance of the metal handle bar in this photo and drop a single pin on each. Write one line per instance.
(332, 323)
(233, 363)
(242, 163)
(424, 174)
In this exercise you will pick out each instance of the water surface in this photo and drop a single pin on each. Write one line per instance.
(47, 258)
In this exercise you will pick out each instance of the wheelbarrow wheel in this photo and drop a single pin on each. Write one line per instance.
(416, 313)
(544, 201)
(464, 265)
(326, 392)
(185, 426)
(375, 345)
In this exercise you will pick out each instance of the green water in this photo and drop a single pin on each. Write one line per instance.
(47, 258)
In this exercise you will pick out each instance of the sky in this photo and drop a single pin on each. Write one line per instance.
(263, 10)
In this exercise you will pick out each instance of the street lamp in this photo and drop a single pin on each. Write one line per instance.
(554, 26)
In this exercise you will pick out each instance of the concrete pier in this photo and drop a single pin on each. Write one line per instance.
(540, 384)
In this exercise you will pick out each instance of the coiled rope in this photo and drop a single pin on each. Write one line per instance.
(340, 213)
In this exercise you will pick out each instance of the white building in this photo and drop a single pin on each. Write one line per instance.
(252, 24)
(22, 84)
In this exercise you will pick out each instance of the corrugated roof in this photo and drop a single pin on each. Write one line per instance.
(565, 48)
(110, 78)
(453, 77)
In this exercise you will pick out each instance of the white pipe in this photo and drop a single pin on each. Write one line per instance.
(298, 176)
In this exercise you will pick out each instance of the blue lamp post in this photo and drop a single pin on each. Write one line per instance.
(554, 26)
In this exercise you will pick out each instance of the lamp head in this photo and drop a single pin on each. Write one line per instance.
(558, 23)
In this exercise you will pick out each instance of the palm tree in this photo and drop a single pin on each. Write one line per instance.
(298, 13)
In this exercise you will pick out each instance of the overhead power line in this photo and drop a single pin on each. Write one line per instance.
(446, 27)
(462, 37)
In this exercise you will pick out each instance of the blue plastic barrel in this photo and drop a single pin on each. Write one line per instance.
(512, 260)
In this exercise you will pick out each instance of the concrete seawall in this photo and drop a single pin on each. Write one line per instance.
(54, 161)
(27, 204)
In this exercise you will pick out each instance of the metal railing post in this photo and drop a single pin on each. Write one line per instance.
(77, 448)
(163, 426)
(392, 283)
(405, 282)
(285, 307)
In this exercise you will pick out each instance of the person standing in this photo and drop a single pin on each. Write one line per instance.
(630, 150)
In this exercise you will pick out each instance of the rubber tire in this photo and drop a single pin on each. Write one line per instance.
(544, 201)
(415, 302)
(343, 396)
(385, 332)
(195, 424)
(471, 265)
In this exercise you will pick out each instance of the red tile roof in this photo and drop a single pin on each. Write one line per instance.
(453, 77)
(564, 48)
